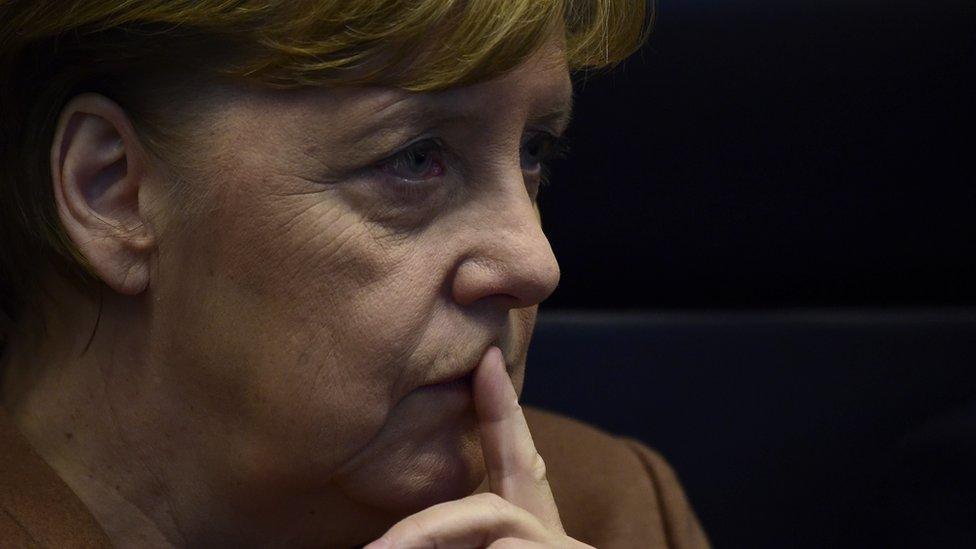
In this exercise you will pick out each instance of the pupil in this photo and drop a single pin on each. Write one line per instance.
(419, 159)
(537, 147)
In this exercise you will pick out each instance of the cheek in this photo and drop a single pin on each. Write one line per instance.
(299, 315)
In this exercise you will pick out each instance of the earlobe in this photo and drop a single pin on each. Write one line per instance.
(98, 169)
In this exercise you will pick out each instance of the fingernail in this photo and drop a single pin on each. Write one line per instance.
(499, 357)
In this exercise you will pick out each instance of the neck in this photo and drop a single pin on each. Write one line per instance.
(154, 469)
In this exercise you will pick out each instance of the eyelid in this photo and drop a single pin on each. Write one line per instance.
(559, 143)
(414, 143)
(556, 136)
(453, 163)
(410, 188)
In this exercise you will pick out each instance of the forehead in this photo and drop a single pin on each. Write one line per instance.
(540, 84)
(538, 89)
(541, 79)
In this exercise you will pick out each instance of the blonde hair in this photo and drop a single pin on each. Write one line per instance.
(52, 50)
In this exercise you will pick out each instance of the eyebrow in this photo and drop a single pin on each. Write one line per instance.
(558, 114)
(390, 118)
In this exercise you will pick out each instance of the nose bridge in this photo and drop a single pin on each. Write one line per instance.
(518, 221)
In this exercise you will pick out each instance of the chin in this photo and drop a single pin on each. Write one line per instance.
(411, 476)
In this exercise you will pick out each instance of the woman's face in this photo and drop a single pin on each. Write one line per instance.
(346, 248)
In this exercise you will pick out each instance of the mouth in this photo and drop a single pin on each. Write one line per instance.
(451, 395)
(462, 375)
(461, 382)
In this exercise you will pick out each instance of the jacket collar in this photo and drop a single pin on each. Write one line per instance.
(36, 506)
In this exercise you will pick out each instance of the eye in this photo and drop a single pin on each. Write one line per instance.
(541, 148)
(417, 163)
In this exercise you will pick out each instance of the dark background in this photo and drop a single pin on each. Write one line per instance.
(775, 153)
(766, 233)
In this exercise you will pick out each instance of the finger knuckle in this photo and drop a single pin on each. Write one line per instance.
(495, 504)
(508, 543)
(413, 528)
(538, 468)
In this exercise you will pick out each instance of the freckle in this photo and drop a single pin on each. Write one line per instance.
(68, 436)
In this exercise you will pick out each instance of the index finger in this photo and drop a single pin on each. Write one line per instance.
(516, 471)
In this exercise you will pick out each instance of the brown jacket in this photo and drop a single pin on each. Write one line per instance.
(611, 492)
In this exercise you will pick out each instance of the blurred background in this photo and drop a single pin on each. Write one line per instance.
(766, 233)
(775, 153)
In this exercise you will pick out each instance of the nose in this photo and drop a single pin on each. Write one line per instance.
(510, 261)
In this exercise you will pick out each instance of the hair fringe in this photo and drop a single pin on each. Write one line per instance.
(90, 45)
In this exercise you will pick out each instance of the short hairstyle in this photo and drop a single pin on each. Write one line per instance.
(53, 50)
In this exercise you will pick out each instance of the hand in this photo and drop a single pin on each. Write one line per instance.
(520, 511)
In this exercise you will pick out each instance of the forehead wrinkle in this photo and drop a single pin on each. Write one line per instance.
(540, 90)
(392, 119)
(387, 113)
(426, 111)
(401, 118)
(373, 115)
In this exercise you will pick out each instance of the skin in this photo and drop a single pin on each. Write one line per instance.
(519, 511)
(257, 371)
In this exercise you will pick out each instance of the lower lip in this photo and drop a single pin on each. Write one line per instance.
(459, 389)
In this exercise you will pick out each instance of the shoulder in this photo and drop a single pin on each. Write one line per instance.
(612, 491)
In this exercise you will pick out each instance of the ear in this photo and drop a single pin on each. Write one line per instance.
(98, 168)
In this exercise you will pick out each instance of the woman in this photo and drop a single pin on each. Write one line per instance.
(271, 270)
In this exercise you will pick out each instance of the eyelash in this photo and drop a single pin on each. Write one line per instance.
(558, 149)
(554, 147)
